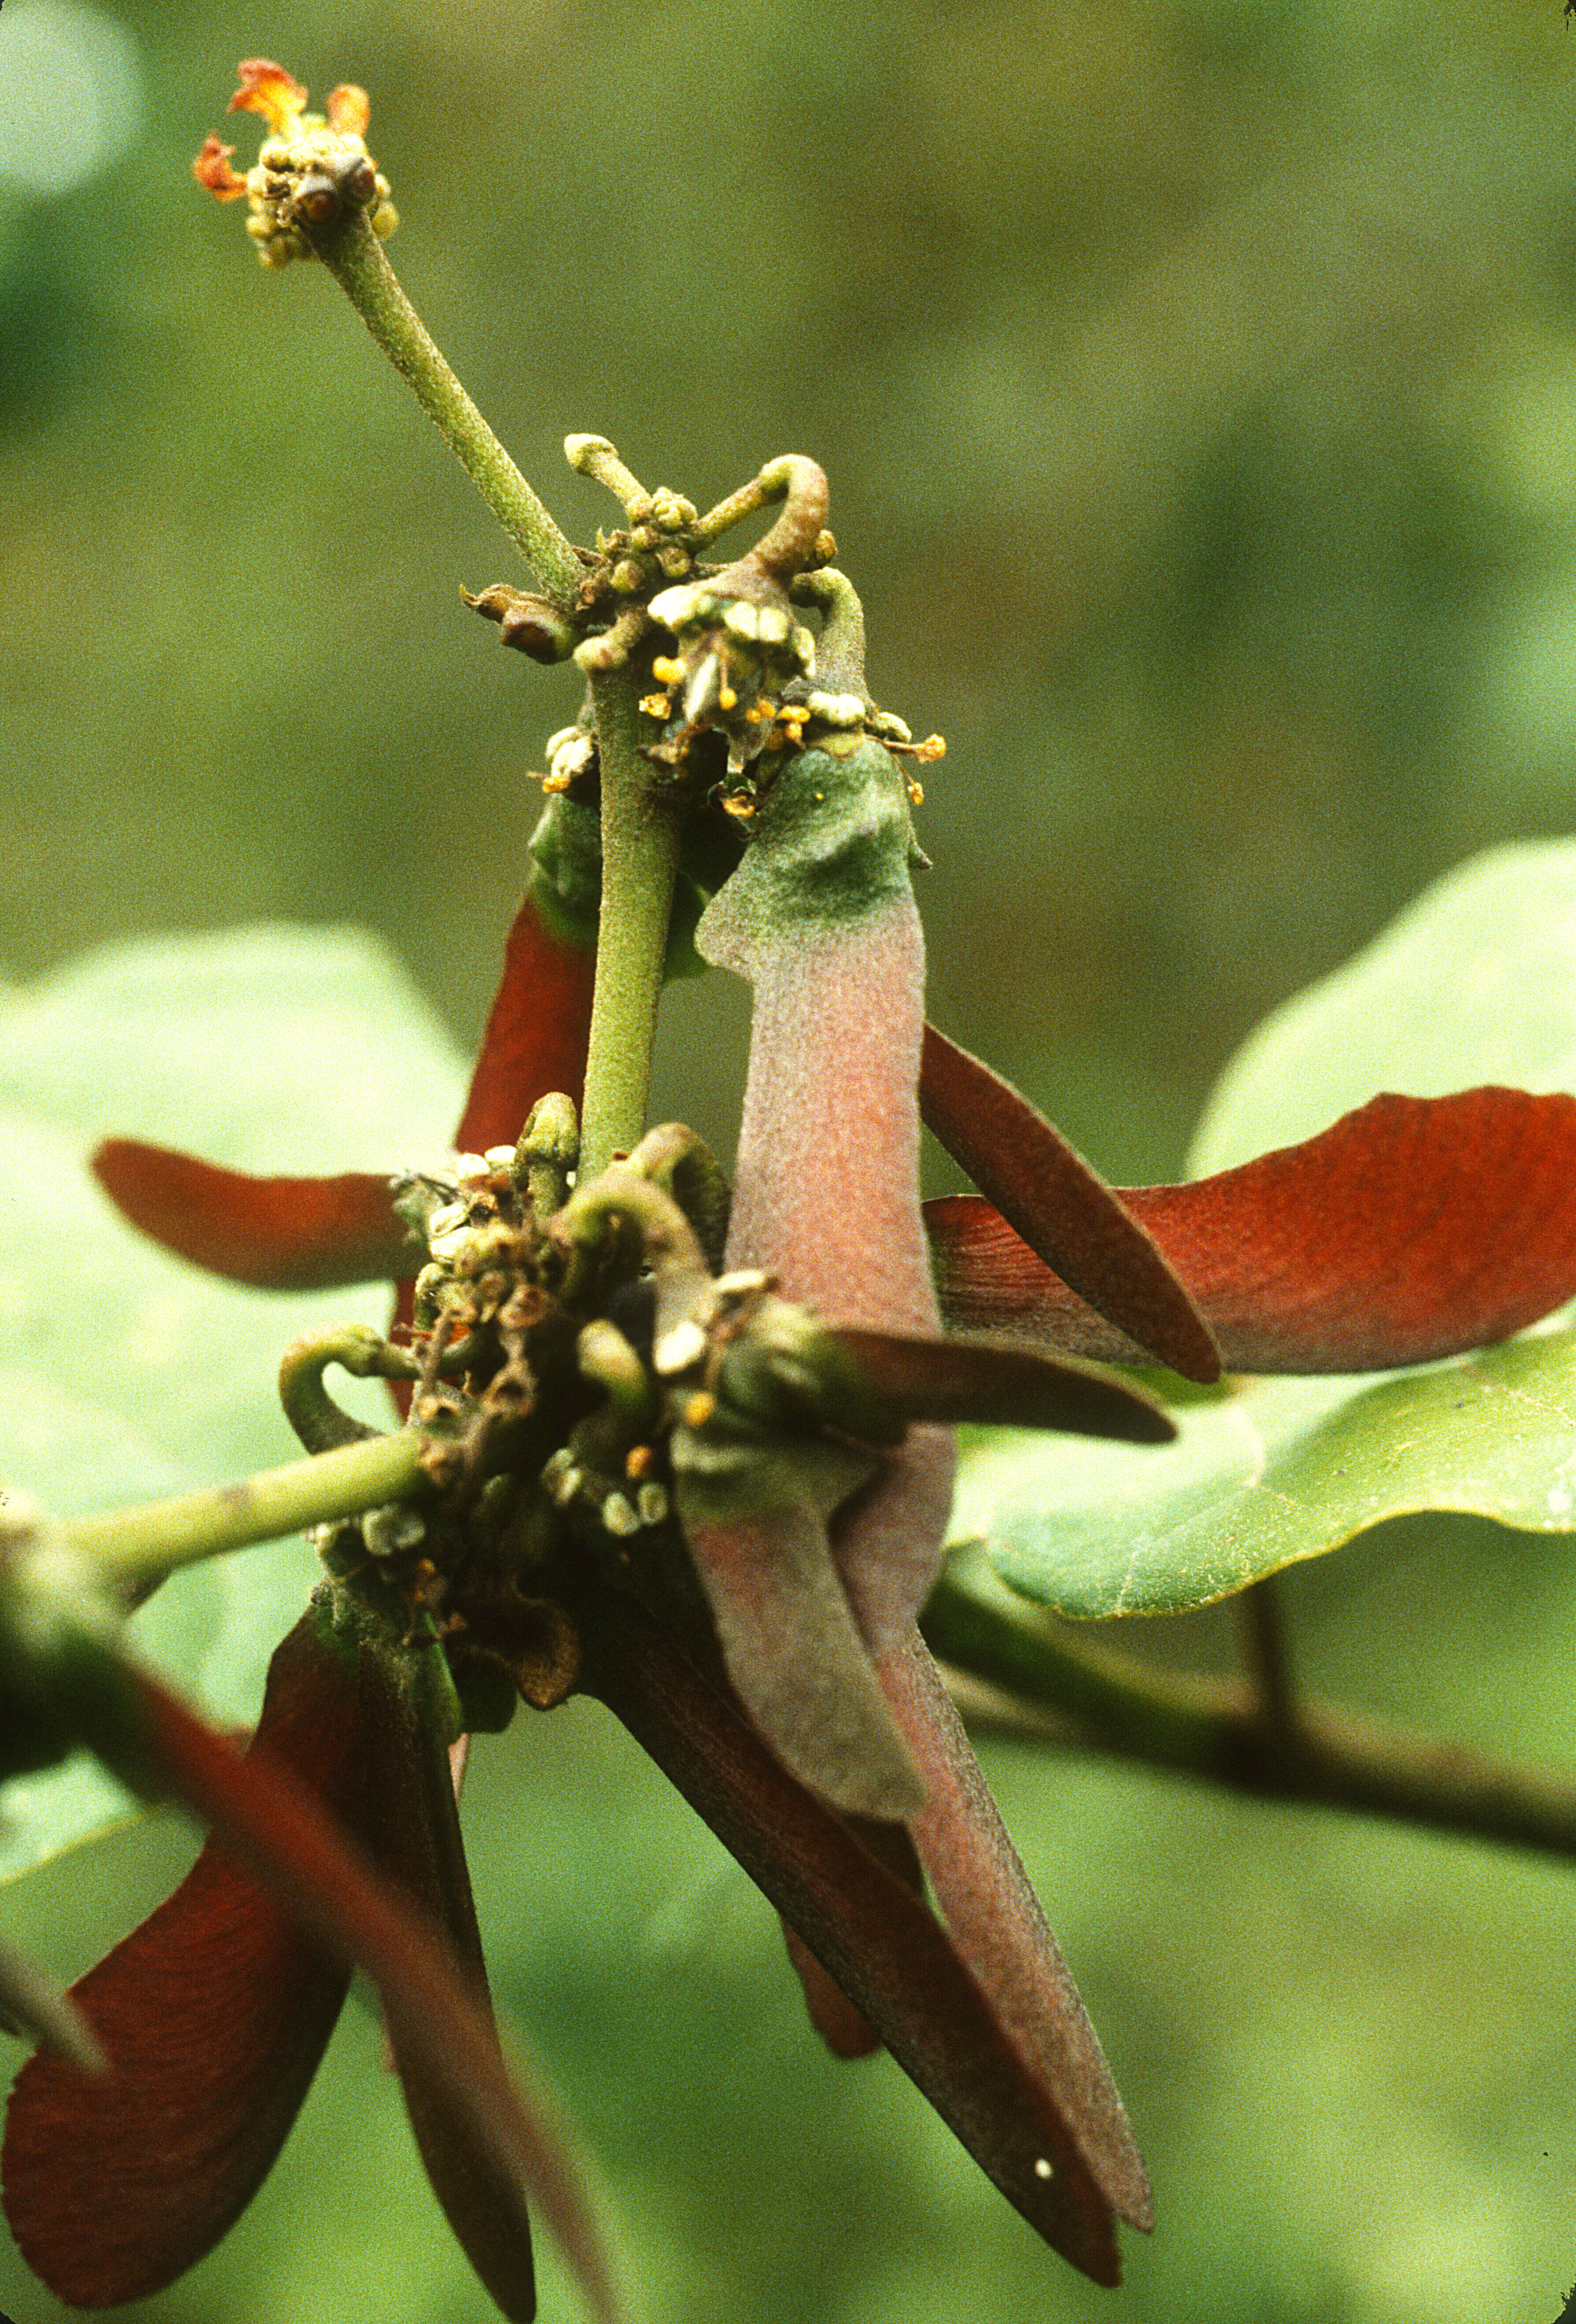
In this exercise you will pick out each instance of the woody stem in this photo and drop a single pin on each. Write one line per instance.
(1045, 1688)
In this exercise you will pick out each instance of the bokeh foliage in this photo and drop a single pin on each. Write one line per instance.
(1196, 383)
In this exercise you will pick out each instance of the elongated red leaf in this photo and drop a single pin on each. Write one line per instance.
(836, 2019)
(796, 1657)
(882, 1945)
(1066, 1214)
(536, 1037)
(281, 1234)
(1412, 1229)
(413, 1830)
(275, 1826)
(998, 1926)
(214, 2013)
(953, 1381)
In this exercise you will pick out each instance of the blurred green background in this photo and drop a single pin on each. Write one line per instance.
(1197, 381)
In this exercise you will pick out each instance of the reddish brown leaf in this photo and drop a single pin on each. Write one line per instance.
(281, 1832)
(215, 2014)
(281, 1234)
(1011, 1387)
(537, 1035)
(999, 1928)
(836, 2019)
(1412, 1229)
(268, 89)
(1064, 1212)
(414, 1832)
(348, 110)
(882, 1947)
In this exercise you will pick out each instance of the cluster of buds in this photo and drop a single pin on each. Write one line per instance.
(311, 168)
(571, 758)
(738, 654)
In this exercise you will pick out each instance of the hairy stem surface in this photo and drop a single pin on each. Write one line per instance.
(355, 257)
(144, 1544)
(639, 862)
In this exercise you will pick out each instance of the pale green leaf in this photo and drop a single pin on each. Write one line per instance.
(1278, 1471)
(125, 1374)
(1476, 982)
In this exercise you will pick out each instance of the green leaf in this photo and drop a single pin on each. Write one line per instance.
(1476, 982)
(125, 1374)
(1277, 1470)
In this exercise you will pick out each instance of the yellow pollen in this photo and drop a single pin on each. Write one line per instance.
(655, 706)
(557, 782)
(638, 1462)
(917, 794)
(699, 1409)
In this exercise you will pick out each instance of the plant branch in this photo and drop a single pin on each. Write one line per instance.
(1267, 1656)
(1042, 1687)
(355, 257)
(138, 1545)
(639, 864)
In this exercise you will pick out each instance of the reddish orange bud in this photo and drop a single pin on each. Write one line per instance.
(268, 89)
(349, 110)
(212, 169)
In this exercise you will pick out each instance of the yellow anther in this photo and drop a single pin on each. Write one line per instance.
(667, 671)
(726, 698)
(638, 1462)
(698, 1409)
(738, 803)
(655, 706)
(555, 783)
(917, 794)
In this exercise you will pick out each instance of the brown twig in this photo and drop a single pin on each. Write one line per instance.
(1021, 1675)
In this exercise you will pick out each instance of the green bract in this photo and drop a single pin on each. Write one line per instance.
(831, 841)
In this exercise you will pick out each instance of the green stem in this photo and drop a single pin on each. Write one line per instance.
(1046, 1689)
(639, 864)
(355, 257)
(140, 1545)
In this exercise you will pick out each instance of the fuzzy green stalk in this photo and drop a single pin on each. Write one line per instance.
(639, 864)
(138, 1545)
(355, 258)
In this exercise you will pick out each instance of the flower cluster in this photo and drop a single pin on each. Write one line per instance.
(308, 168)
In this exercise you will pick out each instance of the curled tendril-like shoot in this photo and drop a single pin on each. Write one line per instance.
(684, 1166)
(840, 648)
(797, 536)
(320, 1423)
(547, 1153)
(615, 647)
(620, 1220)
